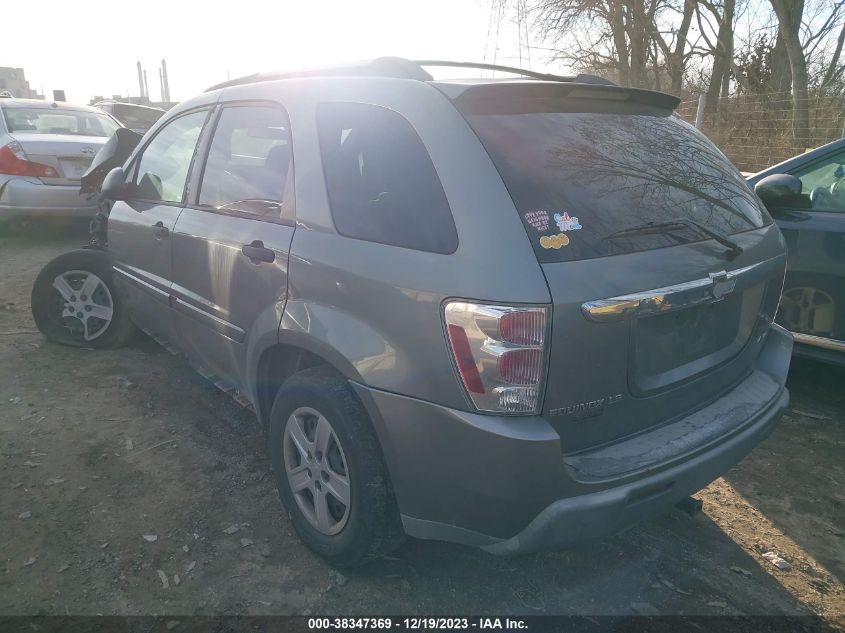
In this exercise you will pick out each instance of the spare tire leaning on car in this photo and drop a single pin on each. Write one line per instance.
(74, 302)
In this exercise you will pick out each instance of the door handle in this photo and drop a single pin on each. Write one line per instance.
(257, 252)
(159, 230)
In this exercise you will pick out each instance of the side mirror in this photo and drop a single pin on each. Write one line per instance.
(114, 185)
(780, 190)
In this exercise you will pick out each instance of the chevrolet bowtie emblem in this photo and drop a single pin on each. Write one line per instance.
(722, 284)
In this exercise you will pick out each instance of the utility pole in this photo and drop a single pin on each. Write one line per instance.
(165, 81)
(699, 114)
(140, 79)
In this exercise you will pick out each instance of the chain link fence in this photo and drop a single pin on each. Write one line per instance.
(755, 131)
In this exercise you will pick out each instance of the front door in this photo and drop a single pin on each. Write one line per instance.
(813, 300)
(231, 244)
(140, 228)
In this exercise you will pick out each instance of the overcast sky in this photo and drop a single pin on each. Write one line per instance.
(90, 48)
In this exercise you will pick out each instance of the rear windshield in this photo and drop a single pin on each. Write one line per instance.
(136, 117)
(577, 178)
(58, 121)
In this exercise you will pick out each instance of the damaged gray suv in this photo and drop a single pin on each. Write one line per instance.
(514, 314)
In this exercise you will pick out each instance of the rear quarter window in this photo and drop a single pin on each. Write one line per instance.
(381, 183)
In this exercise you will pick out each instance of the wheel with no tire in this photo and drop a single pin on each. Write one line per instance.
(809, 305)
(330, 471)
(74, 302)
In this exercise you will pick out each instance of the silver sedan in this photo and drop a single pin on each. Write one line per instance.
(45, 147)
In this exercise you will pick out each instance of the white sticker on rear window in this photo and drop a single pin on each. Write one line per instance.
(567, 223)
(539, 219)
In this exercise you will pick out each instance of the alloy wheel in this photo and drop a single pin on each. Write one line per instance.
(85, 306)
(808, 310)
(317, 470)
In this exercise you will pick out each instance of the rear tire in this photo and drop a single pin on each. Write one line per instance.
(66, 314)
(368, 525)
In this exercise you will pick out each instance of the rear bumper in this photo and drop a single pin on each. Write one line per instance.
(20, 196)
(570, 521)
(503, 484)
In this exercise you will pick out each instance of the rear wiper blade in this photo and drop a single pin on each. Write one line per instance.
(734, 249)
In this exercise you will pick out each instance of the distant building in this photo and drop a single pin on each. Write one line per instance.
(14, 80)
(144, 98)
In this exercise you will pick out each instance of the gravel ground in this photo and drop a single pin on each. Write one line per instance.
(131, 486)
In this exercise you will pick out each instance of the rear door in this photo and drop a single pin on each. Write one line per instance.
(647, 325)
(231, 244)
(140, 228)
(813, 299)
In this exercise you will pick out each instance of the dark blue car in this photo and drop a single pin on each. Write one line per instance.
(806, 197)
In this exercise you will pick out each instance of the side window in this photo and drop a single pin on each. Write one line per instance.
(165, 162)
(824, 182)
(248, 161)
(381, 183)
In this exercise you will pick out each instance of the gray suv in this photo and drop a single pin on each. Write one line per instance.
(513, 314)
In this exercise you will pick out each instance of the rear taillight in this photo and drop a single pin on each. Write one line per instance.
(14, 162)
(500, 354)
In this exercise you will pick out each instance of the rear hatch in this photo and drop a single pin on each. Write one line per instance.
(69, 154)
(652, 317)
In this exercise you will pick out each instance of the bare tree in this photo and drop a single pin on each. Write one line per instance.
(677, 54)
(635, 41)
(781, 72)
(722, 49)
(672, 44)
(823, 45)
(835, 70)
(789, 14)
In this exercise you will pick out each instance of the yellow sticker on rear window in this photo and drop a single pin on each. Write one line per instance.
(554, 241)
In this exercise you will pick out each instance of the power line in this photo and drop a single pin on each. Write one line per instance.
(498, 26)
(519, 29)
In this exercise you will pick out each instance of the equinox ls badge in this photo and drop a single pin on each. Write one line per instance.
(586, 409)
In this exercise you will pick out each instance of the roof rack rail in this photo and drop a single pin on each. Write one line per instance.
(579, 78)
(401, 68)
(396, 67)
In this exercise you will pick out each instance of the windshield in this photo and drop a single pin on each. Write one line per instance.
(58, 121)
(577, 178)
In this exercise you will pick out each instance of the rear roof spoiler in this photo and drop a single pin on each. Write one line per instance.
(489, 98)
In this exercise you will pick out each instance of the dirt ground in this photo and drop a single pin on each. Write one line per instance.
(130, 485)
